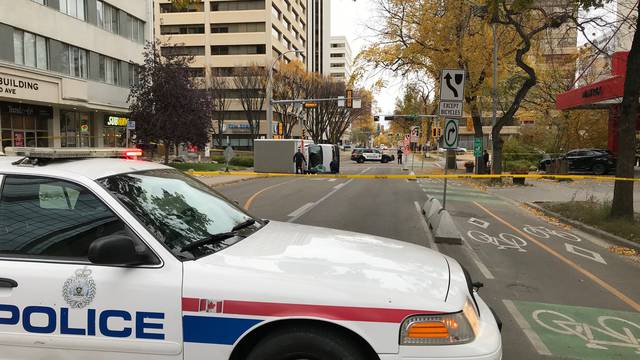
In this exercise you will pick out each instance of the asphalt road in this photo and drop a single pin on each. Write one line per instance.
(561, 293)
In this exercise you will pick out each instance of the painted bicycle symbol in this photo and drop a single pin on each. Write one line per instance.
(502, 241)
(610, 331)
(545, 233)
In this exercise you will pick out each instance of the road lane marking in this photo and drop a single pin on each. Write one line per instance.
(477, 222)
(612, 290)
(591, 255)
(535, 340)
(502, 241)
(476, 260)
(332, 180)
(335, 190)
(301, 209)
(339, 186)
(249, 201)
(425, 227)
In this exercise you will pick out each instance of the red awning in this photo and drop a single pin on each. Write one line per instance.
(600, 95)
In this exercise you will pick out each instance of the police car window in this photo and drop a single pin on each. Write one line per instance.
(179, 210)
(49, 218)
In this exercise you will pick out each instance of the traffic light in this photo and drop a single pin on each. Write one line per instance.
(310, 105)
(280, 130)
(349, 100)
(434, 132)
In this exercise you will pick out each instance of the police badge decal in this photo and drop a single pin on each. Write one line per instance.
(79, 290)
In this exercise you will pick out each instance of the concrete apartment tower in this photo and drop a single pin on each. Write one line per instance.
(225, 35)
(340, 59)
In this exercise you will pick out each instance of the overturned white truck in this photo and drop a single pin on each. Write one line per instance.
(276, 156)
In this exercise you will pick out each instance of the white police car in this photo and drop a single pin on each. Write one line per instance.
(122, 259)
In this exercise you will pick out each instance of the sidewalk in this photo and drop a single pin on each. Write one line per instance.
(550, 190)
(221, 180)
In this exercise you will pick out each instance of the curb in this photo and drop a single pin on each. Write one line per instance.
(235, 181)
(586, 228)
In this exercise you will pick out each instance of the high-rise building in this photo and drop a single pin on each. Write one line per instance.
(340, 59)
(65, 70)
(319, 30)
(226, 35)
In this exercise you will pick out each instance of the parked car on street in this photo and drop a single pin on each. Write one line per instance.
(362, 155)
(593, 161)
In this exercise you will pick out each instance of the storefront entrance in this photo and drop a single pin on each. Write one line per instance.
(24, 125)
(76, 129)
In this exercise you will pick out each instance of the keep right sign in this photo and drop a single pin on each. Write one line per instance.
(451, 133)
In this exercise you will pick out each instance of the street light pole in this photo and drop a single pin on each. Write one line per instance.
(270, 92)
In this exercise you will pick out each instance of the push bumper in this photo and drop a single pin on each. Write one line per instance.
(486, 346)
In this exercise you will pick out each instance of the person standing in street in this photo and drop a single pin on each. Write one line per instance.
(299, 159)
(485, 161)
(399, 156)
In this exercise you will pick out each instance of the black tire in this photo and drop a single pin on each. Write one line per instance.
(384, 160)
(296, 343)
(599, 169)
(360, 160)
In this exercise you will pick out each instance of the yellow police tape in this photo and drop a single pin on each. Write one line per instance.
(414, 177)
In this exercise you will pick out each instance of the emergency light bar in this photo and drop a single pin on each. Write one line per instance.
(72, 153)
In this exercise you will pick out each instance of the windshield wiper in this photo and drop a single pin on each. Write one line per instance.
(244, 224)
(215, 238)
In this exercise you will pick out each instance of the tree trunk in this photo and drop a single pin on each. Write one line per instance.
(167, 147)
(622, 206)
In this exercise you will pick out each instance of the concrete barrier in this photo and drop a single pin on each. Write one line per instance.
(440, 222)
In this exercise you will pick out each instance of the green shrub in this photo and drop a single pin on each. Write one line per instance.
(517, 165)
(245, 161)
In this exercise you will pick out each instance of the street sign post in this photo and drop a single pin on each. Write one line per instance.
(477, 147)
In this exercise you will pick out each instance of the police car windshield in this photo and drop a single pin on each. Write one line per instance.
(179, 210)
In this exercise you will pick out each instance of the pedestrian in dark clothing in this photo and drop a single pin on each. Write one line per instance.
(299, 159)
(400, 156)
(485, 160)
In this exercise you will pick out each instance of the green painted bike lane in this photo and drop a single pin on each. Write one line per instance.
(579, 332)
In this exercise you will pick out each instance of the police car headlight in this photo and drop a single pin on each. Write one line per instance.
(447, 329)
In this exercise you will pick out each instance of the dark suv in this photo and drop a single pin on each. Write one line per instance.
(594, 161)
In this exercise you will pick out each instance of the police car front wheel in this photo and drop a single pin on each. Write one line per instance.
(305, 344)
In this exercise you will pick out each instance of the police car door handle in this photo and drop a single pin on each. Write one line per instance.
(8, 283)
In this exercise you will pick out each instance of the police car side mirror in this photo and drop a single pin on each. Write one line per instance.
(117, 249)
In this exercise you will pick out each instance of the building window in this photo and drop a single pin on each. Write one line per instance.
(238, 49)
(107, 17)
(75, 8)
(182, 51)
(78, 63)
(191, 7)
(337, 65)
(134, 74)
(109, 70)
(275, 12)
(237, 28)
(237, 5)
(41, 2)
(275, 33)
(340, 55)
(337, 45)
(30, 49)
(195, 72)
(181, 29)
(136, 32)
(24, 125)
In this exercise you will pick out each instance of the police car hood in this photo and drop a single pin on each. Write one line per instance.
(296, 263)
